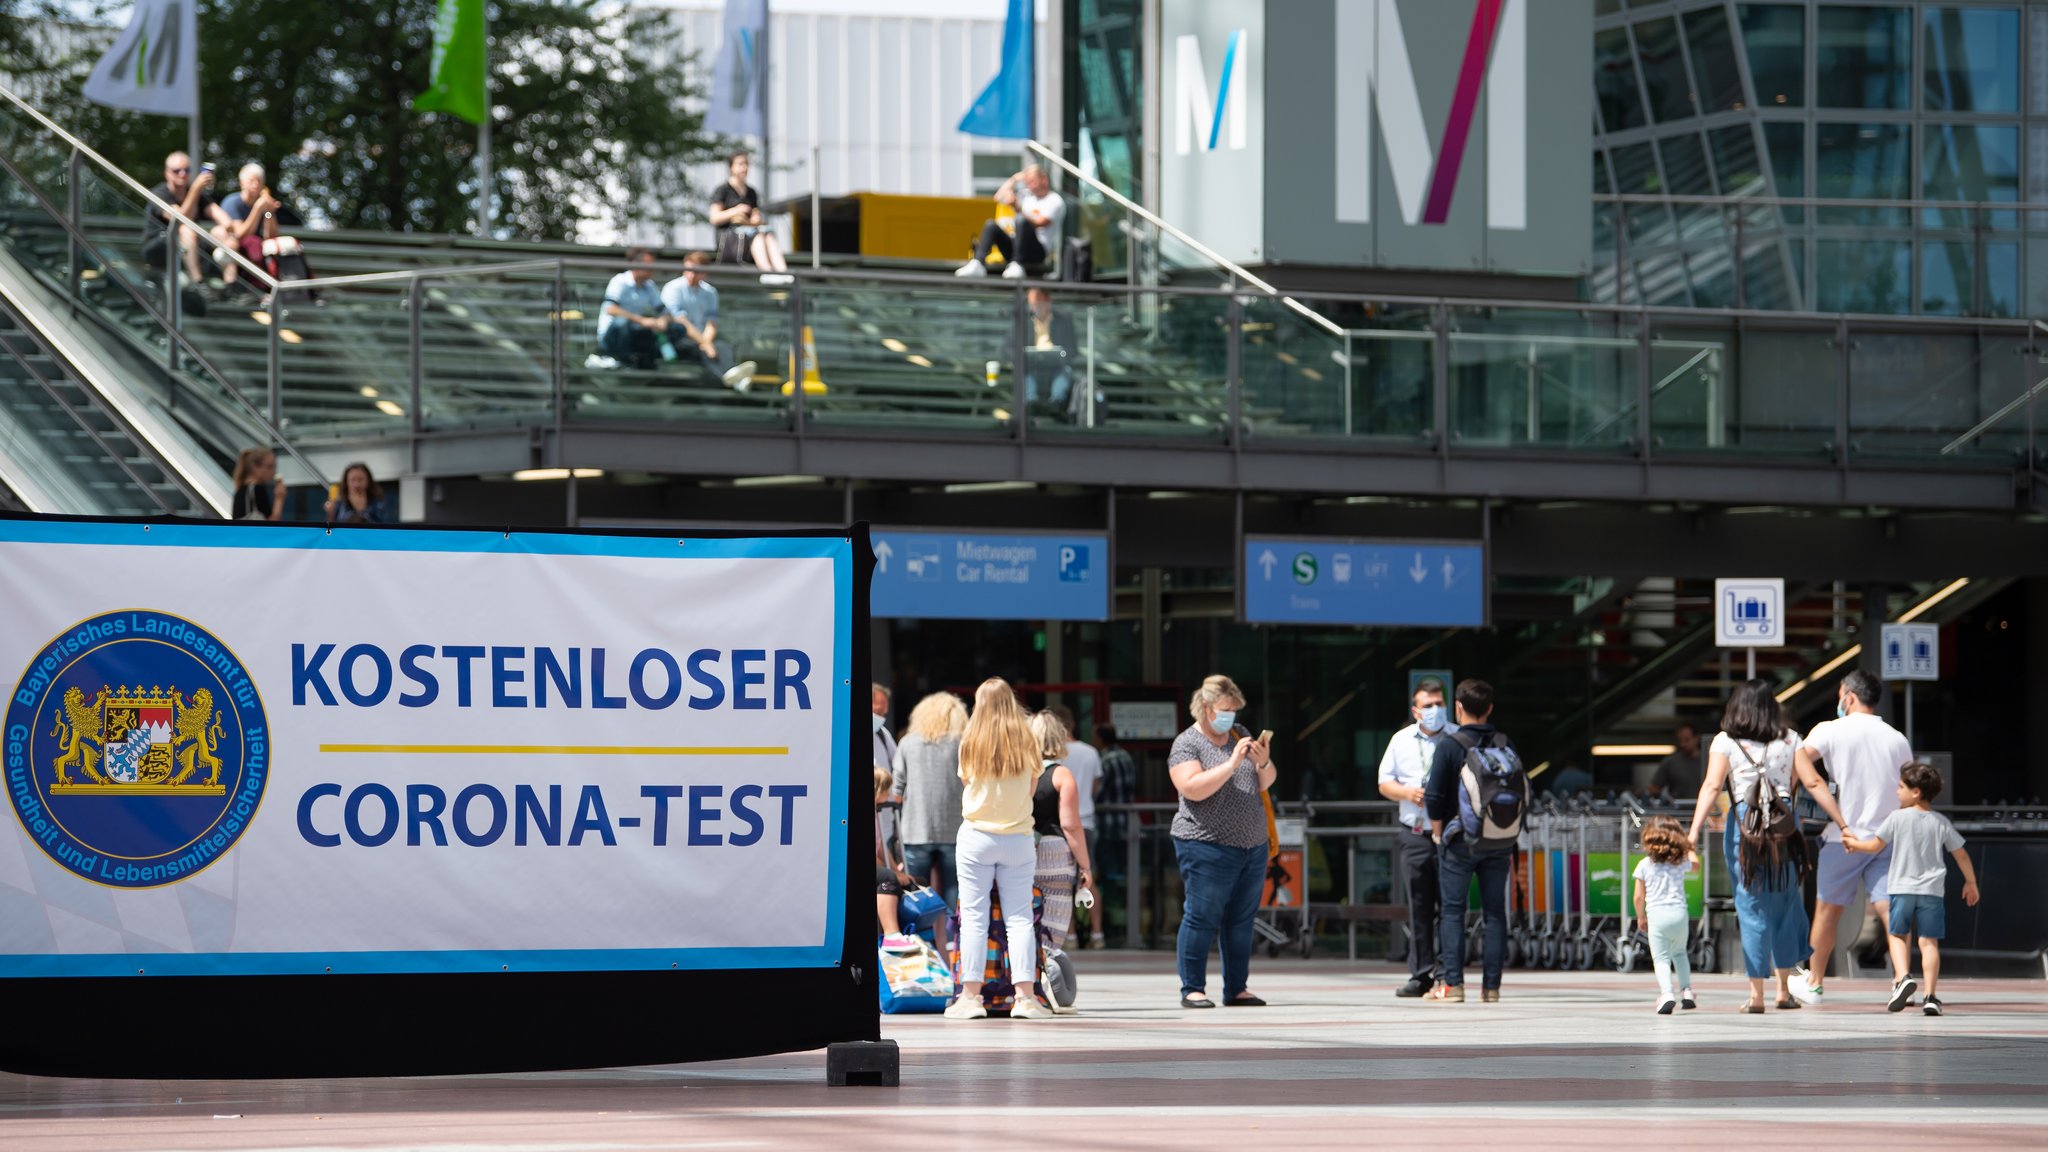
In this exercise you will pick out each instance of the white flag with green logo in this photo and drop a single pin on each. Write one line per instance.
(154, 63)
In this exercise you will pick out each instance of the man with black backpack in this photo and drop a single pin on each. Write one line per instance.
(1476, 797)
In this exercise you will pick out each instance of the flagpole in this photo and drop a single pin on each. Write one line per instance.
(483, 136)
(761, 101)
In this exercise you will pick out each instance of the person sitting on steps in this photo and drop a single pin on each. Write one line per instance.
(1039, 210)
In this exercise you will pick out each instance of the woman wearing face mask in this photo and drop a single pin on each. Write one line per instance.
(1219, 838)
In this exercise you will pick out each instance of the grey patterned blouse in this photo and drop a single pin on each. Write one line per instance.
(1233, 815)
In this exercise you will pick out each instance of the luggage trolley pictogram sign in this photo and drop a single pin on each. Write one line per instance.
(1749, 613)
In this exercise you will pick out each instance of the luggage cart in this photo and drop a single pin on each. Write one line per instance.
(1702, 952)
(1550, 945)
(1701, 945)
(1524, 933)
(1624, 949)
(1283, 921)
(1580, 868)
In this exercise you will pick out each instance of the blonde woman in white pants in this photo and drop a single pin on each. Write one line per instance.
(999, 767)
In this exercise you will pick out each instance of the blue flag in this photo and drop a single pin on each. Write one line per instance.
(739, 81)
(1005, 107)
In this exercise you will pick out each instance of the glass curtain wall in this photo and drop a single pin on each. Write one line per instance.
(1851, 100)
(1105, 115)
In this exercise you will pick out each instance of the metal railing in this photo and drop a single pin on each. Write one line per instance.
(85, 254)
(1236, 270)
(483, 345)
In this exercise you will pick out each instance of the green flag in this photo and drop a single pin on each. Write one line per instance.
(458, 86)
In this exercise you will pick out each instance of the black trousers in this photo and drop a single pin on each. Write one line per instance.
(1415, 855)
(1024, 248)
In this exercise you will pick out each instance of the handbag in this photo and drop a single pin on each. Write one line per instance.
(1770, 837)
(915, 978)
(920, 909)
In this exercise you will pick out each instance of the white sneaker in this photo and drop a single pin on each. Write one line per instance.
(971, 268)
(1013, 271)
(1803, 988)
(777, 279)
(599, 360)
(965, 1009)
(740, 376)
(1030, 1007)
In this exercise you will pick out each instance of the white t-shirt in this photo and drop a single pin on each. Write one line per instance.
(1775, 759)
(1406, 763)
(628, 293)
(1086, 765)
(1863, 754)
(1054, 208)
(1663, 884)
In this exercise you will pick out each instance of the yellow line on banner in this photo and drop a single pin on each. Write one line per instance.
(555, 750)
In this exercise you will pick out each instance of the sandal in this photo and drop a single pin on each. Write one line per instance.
(1753, 1008)
(1244, 1000)
(1788, 1004)
(1197, 1001)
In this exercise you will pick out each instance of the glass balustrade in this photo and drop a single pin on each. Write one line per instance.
(1143, 364)
(912, 355)
(1943, 396)
(1536, 378)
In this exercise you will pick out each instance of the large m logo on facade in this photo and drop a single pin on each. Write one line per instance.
(1197, 122)
(1375, 75)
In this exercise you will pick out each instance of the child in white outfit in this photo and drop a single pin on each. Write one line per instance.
(1659, 899)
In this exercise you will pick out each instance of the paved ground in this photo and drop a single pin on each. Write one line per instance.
(1565, 1060)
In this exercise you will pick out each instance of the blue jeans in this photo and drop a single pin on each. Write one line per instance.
(631, 345)
(1774, 927)
(920, 859)
(1220, 893)
(1456, 865)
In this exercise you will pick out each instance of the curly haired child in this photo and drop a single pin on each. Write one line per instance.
(1659, 899)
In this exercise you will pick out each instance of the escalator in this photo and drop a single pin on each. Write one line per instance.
(1643, 659)
(63, 449)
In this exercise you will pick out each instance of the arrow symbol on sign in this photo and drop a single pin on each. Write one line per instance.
(1267, 560)
(1448, 571)
(882, 554)
(1418, 572)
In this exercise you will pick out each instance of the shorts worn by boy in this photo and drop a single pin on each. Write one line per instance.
(1920, 841)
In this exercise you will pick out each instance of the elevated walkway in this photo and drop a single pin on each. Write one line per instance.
(430, 358)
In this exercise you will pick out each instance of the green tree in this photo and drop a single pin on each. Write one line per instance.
(590, 122)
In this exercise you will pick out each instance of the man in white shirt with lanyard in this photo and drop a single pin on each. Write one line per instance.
(1403, 771)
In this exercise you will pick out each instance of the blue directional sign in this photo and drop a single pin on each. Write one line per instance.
(986, 576)
(1433, 583)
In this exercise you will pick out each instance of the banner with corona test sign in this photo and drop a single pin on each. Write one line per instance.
(244, 750)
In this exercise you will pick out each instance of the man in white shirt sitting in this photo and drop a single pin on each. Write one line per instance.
(1039, 210)
(1403, 771)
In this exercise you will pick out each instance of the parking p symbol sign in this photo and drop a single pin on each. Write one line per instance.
(1074, 563)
